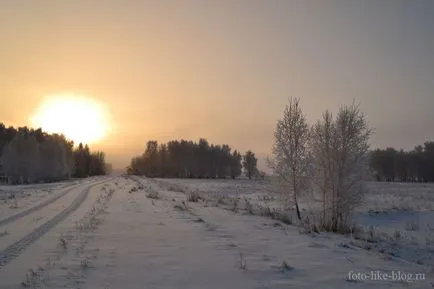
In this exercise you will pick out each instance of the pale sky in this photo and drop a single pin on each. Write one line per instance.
(222, 70)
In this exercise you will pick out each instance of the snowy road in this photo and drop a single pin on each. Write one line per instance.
(39, 206)
(54, 214)
(22, 231)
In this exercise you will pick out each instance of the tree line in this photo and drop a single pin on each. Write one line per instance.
(393, 165)
(29, 155)
(188, 159)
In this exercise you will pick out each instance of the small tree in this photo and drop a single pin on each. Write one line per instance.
(322, 146)
(340, 149)
(250, 164)
(290, 160)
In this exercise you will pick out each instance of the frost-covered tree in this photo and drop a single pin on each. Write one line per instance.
(33, 155)
(291, 158)
(340, 153)
(20, 158)
(48, 160)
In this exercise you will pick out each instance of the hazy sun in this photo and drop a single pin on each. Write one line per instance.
(79, 118)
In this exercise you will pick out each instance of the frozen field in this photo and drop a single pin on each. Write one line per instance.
(396, 218)
(381, 196)
(142, 233)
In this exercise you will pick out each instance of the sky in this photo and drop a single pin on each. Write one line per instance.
(222, 70)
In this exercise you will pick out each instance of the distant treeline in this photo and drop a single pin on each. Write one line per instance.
(392, 165)
(28, 155)
(188, 159)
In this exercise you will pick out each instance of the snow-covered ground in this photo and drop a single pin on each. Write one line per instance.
(395, 218)
(144, 233)
(26, 238)
(17, 199)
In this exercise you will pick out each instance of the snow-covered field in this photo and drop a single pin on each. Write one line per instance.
(394, 218)
(142, 233)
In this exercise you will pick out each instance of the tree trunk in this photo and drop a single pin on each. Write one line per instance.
(296, 207)
(298, 211)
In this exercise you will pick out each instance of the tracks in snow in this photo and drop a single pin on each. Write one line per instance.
(14, 250)
(37, 207)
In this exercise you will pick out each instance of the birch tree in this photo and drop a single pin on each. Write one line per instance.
(291, 158)
(340, 152)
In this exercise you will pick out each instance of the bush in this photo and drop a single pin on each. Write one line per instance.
(248, 206)
(194, 197)
(153, 195)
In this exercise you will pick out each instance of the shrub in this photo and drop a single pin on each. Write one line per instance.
(194, 197)
(153, 195)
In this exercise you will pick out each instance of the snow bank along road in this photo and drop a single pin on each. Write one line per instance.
(24, 228)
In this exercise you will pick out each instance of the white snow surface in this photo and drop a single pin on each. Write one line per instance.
(144, 233)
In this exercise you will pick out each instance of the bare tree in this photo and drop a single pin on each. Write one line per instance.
(291, 158)
(322, 148)
(340, 153)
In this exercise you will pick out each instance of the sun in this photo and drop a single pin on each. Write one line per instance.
(80, 118)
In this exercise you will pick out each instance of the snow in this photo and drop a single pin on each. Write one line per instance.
(143, 233)
(400, 215)
(17, 199)
(29, 239)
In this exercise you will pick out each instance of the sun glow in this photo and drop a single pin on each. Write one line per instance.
(79, 118)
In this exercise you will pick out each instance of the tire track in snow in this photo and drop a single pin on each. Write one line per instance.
(37, 207)
(14, 250)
